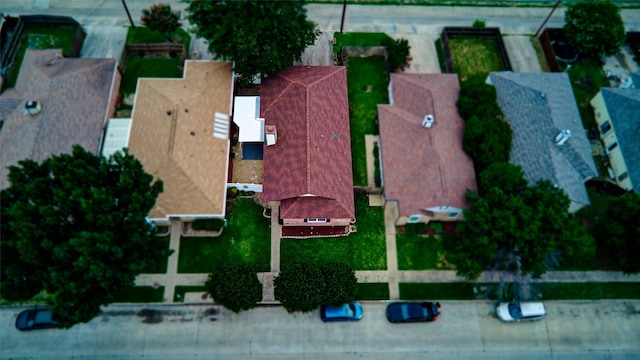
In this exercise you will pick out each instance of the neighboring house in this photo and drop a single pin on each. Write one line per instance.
(56, 103)
(617, 113)
(307, 154)
(180, 132)
(549, 142)
(425, 171)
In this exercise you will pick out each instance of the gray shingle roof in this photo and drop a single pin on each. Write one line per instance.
(623, 106)
(538, 106)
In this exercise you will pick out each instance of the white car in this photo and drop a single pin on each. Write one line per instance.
(514, 311)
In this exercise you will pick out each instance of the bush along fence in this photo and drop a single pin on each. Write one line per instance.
(170, 49)
(13, 30)
(449, 31)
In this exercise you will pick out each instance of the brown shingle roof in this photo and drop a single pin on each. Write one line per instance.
(312, 156)
(424, 168)
(172, 135)
(74, 94)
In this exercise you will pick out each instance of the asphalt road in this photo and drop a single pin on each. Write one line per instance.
(465, 330)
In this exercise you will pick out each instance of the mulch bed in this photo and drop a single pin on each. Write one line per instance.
(314, 231)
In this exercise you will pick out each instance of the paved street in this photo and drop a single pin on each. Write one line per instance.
(465, 330)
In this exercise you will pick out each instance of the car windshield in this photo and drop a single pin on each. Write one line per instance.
(413, 312)
(515, 311)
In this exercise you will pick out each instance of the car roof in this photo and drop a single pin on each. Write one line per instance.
(532, 309)
(339, 311)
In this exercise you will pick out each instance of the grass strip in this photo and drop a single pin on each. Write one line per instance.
(140, 294)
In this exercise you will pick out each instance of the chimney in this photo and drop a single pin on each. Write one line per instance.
(270, 135)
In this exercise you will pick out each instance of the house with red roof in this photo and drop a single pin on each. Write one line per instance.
(425, 172)
(307, 153)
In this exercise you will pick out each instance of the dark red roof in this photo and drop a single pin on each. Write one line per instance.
(309, 167)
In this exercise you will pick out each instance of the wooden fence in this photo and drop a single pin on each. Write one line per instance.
(13, 30)
(473, 31)
(170, 49)
(547, 36)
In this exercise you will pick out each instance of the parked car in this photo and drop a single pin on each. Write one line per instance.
(346, 312)
(412, 312)
(34, 319)
(515, 311)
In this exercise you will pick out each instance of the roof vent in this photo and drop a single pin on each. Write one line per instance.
(32, 108)
(428, 121)
(270, 135)
(562, 137)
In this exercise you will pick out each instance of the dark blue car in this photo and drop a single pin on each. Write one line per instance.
(34, 319)
(347, 312)
(412, 312)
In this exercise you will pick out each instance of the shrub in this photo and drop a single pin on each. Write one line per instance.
(397, 53)
(235, 287)
(479, 23)
(160, 17)
(306, 286)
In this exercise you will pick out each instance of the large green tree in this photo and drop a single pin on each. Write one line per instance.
(306, 286)
(235, 287)
(595, 27)
(261, 37)
(516, 228)
(619, 229)
(487, 140)
(75, 226)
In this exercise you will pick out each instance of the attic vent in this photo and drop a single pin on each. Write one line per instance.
(336, 136)
(428, 121)
(562, 137)
(270, 135)
(32, 108)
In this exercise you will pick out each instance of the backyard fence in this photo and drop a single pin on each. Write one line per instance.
(449, 31)
(13, 30)
(547, 36)
(363, 51)
(142, 50)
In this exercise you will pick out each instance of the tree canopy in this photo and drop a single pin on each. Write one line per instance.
(261, 37)
(518, 228)
(75, 226)
(487, 140)
(235, 287)
(306, 286)
(595, 27)
(619, 229)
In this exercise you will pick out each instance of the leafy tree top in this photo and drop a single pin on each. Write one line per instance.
(619, 230)
(515, 227)
(595, 27)
(261, 37)
(75, 226)
(160, 17)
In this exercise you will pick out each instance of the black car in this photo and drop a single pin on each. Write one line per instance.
(412, 312)
(34, 319)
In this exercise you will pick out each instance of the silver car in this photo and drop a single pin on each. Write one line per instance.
(515, 311)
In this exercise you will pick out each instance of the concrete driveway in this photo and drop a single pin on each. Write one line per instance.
(465, 330)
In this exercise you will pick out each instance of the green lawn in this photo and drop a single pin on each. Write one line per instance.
(138, 67)
(417, 252)
(178, 295)
(372, 291)
(437, 291)
(246, 239)
(142, 35)
(207, 224)
(358, 39)
(590, 291)
(140, 294)
(161, 266)
(474, 56)
(587, 77)
(364, 250)
(41, 37)
(549, 291)
(367, 81)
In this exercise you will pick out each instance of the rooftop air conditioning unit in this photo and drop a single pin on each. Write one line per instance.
(562, 137)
